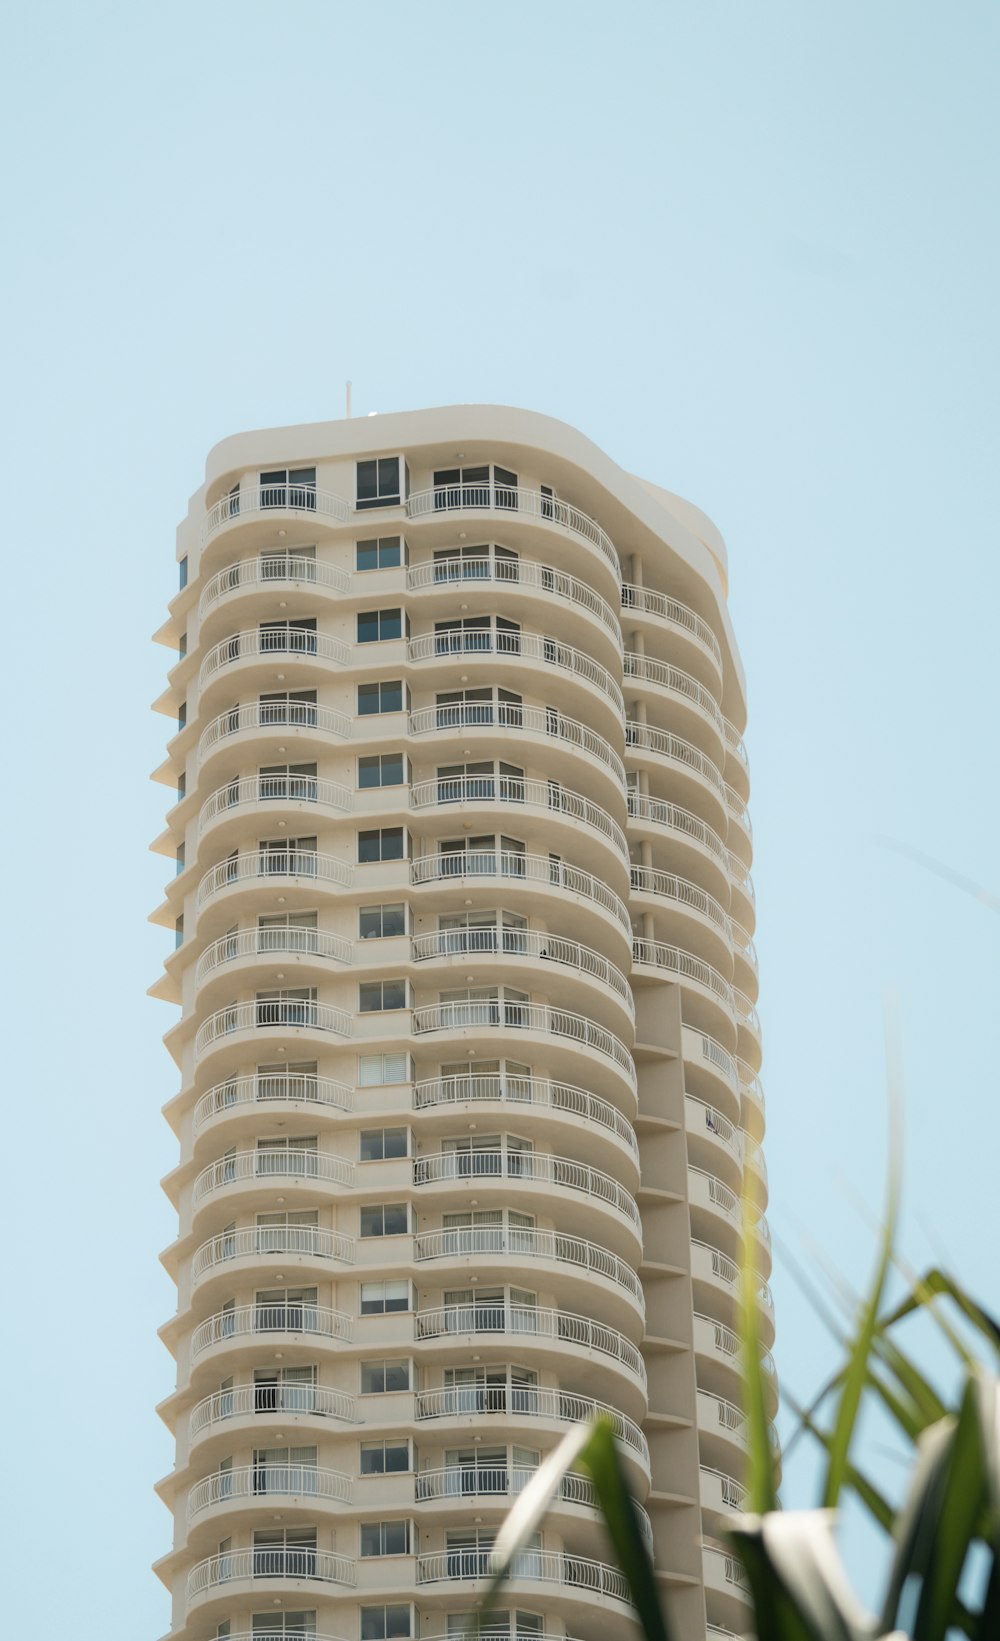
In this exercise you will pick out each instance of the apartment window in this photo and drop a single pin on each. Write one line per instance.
(384, 1458)
(284, 1552)
(288, 637)
(382, 1298)
(483, 486)
(374, 626)
(295, 1080)
(380, 1378)
(291, 1006)
(476, 634)
(381, 996)
(382, 843)
(285, 1390)
(287, 707)
(288, 564)
(286, 1626)
(182, 574)
(382, 553)
(386, 1623)
(382, 769)
(483, 779)
(380, 1144)
(289, 487)
(279, 856)
(382, 1070)
(385, 1538)
(484, 563)
(385, 1219)
(385, 696)
(284, 1469)
(378, 483)
(381, 922)
(462, 708)
(288, 781)
(282, 1310)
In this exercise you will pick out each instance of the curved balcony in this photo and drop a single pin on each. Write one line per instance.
(269, 1566)
(497, 647)
(534, 943)
(531, 1168)
(260, 1166)
(256, 643)
(532, 1323)
(724, 1572)
(513, 502)
(294, 719)
(546, 1566)
(748, 1021)
(706, 1122)
(701, 982)
(462, 1242)
(644, 601)
(302, 1242)
(714, 1342)
(257, 864)
(464, 574)
(720, 1494)
(739, 823)
(292, 1401)
(504, 1482)
(267, 942)
(706, 1192)
(672, 682)
(517, 1402)
(535, 1017)
(752, 1099)
(687, 896)
(539, 796)
(256, 1322)
(717, 1416)
(262, 1483)
(739, 877)
(713, 1269)
(247, 574)
(283, 1088)
(735, 745)
(743, 947)
(705, 1052)
(534, 1091)
(670, 817)
(250, 500)
(263, 1015)
(645, 740)
(477, 718)
(305, 792)
(459, 865)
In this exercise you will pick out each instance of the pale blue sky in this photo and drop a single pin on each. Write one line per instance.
(750, 250)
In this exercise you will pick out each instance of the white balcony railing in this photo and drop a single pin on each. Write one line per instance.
(270, 942)
(526, 1402)
(279, 1561)
(257, 1321)
(717, 1193)
(273, 864)
(719, 1490)
(293, 1399)
(282, 1164)
(743, 944)
(288, 1013)
(525, 646)
(251, 499)
(527, 1322)
(708, 1261)
(283, 1086)
(534, 943)
(739, 873)
(265, 1482)
(724, 1341)
(275, 716)
(507, 572)
(746, 1013)
(506, 1481)
(750, 1083)
(738, 810)
(517, 1091)
(705, 1119)
(734, 743)
(648, 670)
(268, 569)
(685, 966)
(515, 1243)
(510, 500)
(647, 738)
(649, 880)
(658, 812)
(720, 1058)
(296, 789)
(516, 791)
(647, 601)
(514, 868)
(532, 1167)
(476, 716)
(261, 1241)
(513, 1016)
(283, 643)
(549, 1566)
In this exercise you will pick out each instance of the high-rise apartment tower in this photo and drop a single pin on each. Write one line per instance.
(467, 1045)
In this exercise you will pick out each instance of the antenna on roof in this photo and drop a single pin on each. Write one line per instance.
(347, 395)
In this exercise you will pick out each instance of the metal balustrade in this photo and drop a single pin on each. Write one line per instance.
(268, 569)
(547, 796)
(519, 572)
(527, 1402)
(738, 810)
(719, 1194)
(251, 499)
(294, 1399)
(647, 738)
(517, 1242)
(536, 943)
(532, 1322)
(513, 499)
(732, 1493)
(284, 1086)
(685, 966)
(287, 941)
(729, 1417)
(254, 1321)
(705, 1258)
(648, 670)
(649, 880)
(746, 1013)
(719, 1057)
(512, 1015)
(507, 1481)
(283, 642)
(550, 1566)
(730, 1570)
(743, 944)
(272, 864)
(289, 1013)
(297, 789)
(525, 646)
(659, 812)
(514, 867)
(546, 721)
(537, 1091)
(263, 1482)
(739, 873)
(274, 715)
(723, 1341)
(703, 1118)
(271, 1562)
(260, 1241)
(648, 602)
(735, 743)
(265, 1164)
(529, 1167)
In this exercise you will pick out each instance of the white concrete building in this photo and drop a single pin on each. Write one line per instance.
(468, 1049)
